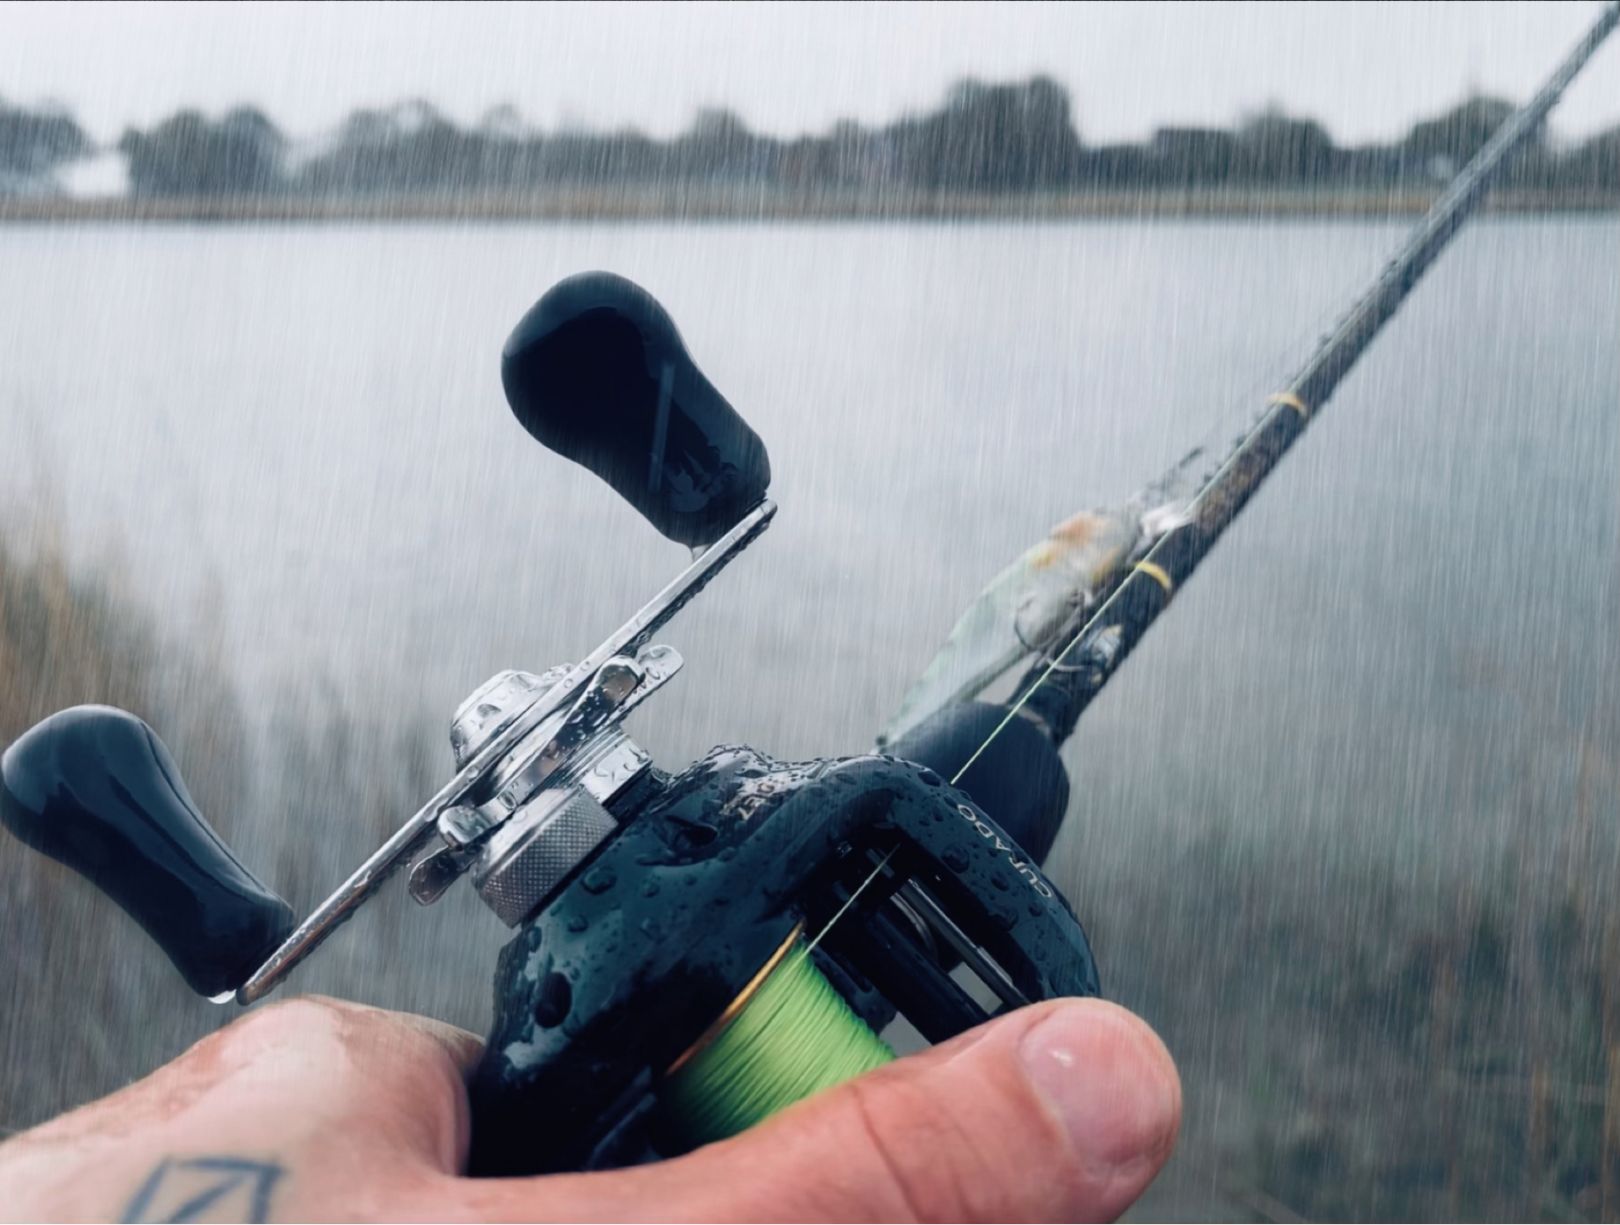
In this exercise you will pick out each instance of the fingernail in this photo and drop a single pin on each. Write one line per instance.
(1107, 1079)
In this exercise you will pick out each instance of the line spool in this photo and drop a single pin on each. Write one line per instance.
(787, 1036)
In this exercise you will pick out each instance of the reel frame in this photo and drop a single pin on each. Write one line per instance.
(613, 981)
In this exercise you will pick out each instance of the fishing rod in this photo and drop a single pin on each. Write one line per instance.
(1169, 536)
(698, 949)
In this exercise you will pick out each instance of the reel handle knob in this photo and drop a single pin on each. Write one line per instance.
(94, 788)
(597, 372)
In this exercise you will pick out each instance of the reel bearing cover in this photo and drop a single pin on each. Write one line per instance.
(646, 904)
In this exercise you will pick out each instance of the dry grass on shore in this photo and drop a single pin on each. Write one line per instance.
(699, 202)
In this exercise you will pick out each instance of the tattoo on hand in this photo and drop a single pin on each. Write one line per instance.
(182, 1189)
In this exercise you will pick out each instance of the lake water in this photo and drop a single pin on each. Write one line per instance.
(294, 440)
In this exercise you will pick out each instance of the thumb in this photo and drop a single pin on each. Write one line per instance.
(1062, 1111)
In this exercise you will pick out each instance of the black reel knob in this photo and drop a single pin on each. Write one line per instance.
(94, 788)
(597, 372)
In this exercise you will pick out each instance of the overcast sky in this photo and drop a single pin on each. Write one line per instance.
(1366, 70)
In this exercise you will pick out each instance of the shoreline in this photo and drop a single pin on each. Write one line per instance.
(686, 203)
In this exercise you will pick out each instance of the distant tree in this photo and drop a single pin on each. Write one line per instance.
(1439, 147)
(1367, 165)
(502, 122)
(411, 147)
(33, 143)
(1276, 147)
(993, 137)
(1117, 167)
(1594, 164)
(1195, 155)
(188, 154)
(1004, 137)
(720, 145)
(860, 155)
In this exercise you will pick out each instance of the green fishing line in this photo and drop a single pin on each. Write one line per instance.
(795, 1037)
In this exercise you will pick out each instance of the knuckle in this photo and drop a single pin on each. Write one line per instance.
(287, 1022)
(286, 1017)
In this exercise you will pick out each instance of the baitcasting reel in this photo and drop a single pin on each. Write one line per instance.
(656, 912)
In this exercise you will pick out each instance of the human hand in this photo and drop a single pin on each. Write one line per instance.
(318, 1109)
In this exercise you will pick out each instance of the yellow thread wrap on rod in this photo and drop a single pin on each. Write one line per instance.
(1158, 574)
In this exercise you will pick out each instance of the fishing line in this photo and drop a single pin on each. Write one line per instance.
(1012, 711)
(850, 901)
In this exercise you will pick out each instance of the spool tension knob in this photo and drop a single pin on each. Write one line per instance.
(94, 788)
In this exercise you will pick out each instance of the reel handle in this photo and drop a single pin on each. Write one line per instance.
(597, 372)
(94, 788)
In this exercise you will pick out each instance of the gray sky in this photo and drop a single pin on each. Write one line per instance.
(1364, 69)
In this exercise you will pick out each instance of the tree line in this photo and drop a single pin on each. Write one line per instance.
(985, 137)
